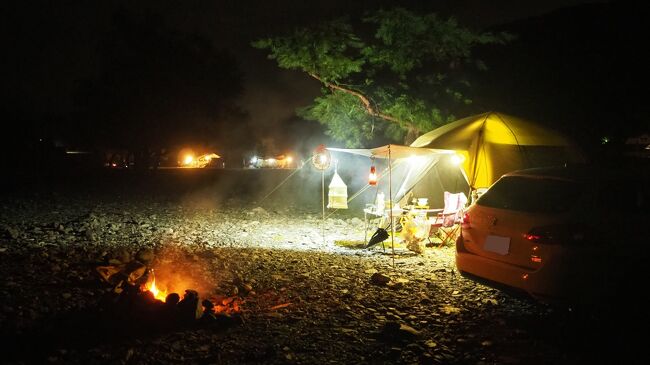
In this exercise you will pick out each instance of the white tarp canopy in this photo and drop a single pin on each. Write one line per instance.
(394, 151)
(399, 167)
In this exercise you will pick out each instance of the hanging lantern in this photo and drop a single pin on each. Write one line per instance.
(372, 177)
(321, 158)
(338, 193)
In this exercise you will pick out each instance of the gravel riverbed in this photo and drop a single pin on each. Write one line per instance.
(304, 299)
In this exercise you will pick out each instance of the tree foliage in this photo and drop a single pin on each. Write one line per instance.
(398, 73)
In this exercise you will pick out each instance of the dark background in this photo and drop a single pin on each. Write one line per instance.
(72, 82)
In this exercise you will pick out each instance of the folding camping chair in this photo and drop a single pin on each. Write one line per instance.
(446, 224)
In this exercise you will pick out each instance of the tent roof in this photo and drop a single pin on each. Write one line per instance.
(497, 128)
(396, 151)
(495, 143)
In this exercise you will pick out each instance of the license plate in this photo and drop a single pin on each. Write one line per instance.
(497, 244)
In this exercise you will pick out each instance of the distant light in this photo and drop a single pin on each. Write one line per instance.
(604, 140)
(289, 159)
(254, 160)
(76, 152)
(457, 159)
(271, 160)
(188, 159)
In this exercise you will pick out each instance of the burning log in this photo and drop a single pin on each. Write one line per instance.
(135, 271)
(189, 308)
(208, 312)
(108, 273)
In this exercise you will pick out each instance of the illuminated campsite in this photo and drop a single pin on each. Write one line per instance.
(389, 182)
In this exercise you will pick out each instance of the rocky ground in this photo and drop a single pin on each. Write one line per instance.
(302, 299)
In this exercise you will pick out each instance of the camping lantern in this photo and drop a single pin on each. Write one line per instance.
(321, 158)
(372, 178)
(338, 193)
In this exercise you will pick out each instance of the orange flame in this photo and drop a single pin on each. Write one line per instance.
(157, 293)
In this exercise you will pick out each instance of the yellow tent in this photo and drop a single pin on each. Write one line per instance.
(495, 143)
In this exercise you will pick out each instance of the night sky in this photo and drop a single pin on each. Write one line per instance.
(54, 48)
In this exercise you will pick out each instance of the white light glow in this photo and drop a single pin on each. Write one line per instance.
(416, 160)
(254, 160)
(457, 159)
(323, 159)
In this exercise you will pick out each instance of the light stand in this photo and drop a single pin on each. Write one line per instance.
(321, 160)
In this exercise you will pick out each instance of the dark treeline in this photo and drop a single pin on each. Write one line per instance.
(149, 91)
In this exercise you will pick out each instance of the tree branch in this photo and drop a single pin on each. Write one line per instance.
(364, 100)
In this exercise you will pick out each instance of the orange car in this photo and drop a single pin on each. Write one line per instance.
(568, 234)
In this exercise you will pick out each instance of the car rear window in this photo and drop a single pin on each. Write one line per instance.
(530, 194)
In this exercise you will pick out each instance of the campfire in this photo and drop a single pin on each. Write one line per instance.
(142, 293)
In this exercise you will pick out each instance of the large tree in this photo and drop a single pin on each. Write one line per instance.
(397, 73)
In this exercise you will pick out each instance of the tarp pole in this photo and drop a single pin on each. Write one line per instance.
(469, 193)
(322, 188)
(390, 194)
(479, 145)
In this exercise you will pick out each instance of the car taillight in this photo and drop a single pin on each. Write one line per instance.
(555, 235)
